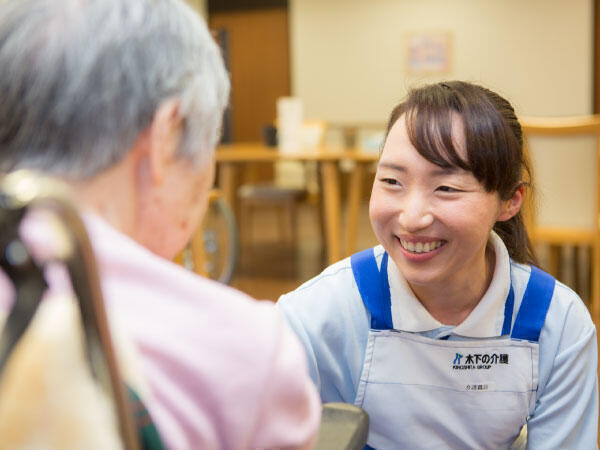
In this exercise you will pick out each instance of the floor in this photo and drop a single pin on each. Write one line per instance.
(270, 264)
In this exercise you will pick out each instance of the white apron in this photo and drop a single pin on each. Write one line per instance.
(423, 393)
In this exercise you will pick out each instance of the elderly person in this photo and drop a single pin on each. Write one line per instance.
(123, 100)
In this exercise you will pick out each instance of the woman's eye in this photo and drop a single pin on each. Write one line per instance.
(447, 189)
(390, 181)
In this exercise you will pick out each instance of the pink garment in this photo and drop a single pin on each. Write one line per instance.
(225, 371)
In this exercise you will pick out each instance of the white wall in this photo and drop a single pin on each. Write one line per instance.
(349, 65)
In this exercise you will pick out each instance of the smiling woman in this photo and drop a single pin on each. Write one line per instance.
(454, 277)
(417, 205)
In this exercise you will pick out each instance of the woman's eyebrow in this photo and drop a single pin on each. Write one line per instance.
(439, 171)
(392, 166)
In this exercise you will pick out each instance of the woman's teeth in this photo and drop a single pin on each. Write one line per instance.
(420, 247)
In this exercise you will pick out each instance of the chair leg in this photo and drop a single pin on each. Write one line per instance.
(246, 216)
(293, 222)
(243, 221)
(321, 213)
(554, 261)
(281, 221)
(577, 285)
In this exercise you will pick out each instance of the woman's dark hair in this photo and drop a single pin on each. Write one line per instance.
(493, 140)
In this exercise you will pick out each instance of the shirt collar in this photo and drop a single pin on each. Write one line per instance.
(486, 319)
(107, 241)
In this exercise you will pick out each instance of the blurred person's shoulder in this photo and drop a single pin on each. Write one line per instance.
(219, 345)
(138, 282)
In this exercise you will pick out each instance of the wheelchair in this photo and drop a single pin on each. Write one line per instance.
(343, 426)
(213, 250)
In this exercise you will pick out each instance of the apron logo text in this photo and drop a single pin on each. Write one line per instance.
(478, 361)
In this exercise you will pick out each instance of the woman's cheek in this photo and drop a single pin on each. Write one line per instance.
(382, 218)
(375, 212)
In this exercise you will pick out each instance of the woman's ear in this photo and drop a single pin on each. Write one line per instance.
(163, 138)
(509, 208)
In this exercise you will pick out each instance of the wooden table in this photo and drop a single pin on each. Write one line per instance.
(230, 157)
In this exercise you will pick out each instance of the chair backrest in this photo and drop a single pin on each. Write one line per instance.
(565, 154)
(21, 192)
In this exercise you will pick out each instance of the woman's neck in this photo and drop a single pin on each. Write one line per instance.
(452, 302)
(108, 196)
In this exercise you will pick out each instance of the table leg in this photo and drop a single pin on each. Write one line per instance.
(331, 200)
(198, 253)
(227, 182)
(353, 207)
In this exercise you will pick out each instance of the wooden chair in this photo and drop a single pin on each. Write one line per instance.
(284, 193)
(561, 131)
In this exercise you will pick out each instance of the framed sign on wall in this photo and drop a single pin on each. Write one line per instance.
(429, 52)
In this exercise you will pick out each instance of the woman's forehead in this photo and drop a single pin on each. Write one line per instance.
(410, 129)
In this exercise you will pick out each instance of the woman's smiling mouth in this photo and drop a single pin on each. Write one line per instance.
(418, 250)
(420, 247)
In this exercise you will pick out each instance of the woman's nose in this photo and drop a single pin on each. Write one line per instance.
(415, 213)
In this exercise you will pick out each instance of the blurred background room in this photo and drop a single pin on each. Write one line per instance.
(313, 83)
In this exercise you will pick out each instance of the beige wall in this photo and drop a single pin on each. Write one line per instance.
(349, 57)
(349, 64)
(199, 5)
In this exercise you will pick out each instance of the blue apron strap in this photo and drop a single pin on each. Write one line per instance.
(373, 286)
(534, 306)
(509, 306)
(368, 447)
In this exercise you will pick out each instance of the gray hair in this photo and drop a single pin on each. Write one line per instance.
(80, 80)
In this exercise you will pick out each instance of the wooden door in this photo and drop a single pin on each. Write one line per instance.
(258, 60)
(596, 94)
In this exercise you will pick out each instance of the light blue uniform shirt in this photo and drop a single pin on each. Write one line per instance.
(331, 320)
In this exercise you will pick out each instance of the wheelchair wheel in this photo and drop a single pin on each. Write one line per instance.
(213, 251)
